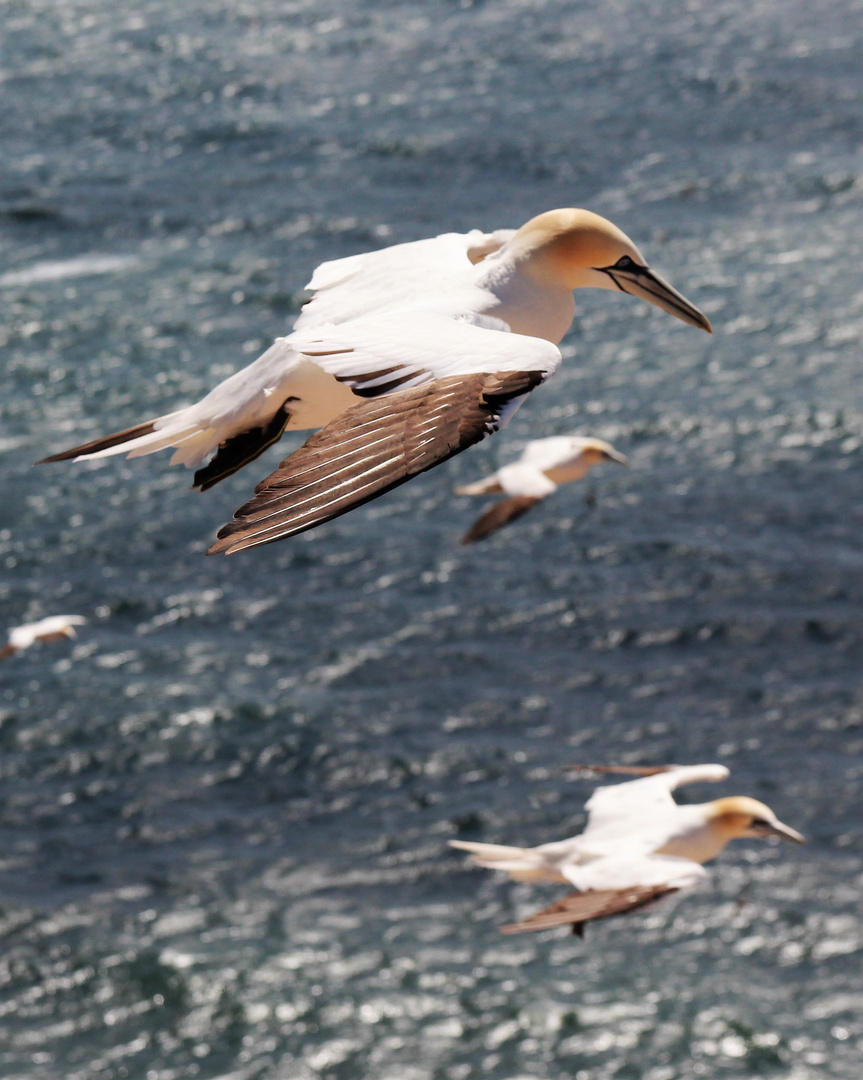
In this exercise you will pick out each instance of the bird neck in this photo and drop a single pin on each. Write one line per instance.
(526, 303)
(698, 837)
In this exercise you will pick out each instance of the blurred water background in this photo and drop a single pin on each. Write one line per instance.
(225, 809)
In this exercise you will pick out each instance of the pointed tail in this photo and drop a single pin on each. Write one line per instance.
(146, 438)
(522, 864)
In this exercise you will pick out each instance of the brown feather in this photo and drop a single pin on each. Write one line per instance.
(580, 907)
(370, 449)
(8, 650)
(383, 385)
(502, 513)
(101, 444)
(239, 450)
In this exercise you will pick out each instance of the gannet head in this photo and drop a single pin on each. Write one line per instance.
(741, 816)
(595, 451)
(578, 249)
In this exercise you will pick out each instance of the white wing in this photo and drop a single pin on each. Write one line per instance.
(423, 344)
(308, 379)
(546, 453)
(640, 807)
(521, 479)
(399, 276)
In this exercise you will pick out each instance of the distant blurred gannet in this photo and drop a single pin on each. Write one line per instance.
(543, 465)
(403, 357)
(54, 628)
(639, 845)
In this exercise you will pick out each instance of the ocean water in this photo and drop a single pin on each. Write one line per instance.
(224, 808)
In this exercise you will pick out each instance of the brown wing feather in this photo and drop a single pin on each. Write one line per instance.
(580, 907)
(502, 513)
(371, 448)
(628, 770)
(239, 450)
(101, 444)
(7, 650)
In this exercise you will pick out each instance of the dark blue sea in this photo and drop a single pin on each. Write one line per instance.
(224, 808)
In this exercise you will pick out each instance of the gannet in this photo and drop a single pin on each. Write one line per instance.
(403, 357)
(543, 465)
(638, 846)
(54, 628)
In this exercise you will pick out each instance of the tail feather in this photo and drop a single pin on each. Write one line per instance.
(193, 437)
(501, 857)
(490, 851)
(164, 431)
(522, 864)
(488, 486)
(115, 443)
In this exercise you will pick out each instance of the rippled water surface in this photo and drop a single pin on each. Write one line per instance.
(225, 807)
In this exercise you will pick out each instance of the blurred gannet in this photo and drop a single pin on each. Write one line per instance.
(543, 465)
(54, 628)
(638, 846)
(403, 357)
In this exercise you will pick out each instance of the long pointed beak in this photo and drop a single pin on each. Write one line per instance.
(641, 281)
(615, 455)
(785, 832)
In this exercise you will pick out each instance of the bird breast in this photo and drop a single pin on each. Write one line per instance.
(700, 843)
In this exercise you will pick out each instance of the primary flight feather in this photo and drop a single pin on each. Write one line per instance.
(403, 357)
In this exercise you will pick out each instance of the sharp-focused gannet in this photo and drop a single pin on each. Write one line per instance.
(54, 628)
(543, 465)
(403, 357)
(639, 845)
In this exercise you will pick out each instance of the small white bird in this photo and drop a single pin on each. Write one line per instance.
(404, 357)
(638, 846)
(543, 465)
(54, 628)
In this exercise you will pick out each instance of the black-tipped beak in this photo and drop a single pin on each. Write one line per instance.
(641, 281)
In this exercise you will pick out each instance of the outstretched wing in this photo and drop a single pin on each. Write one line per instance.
(502, 513)
(580, 907)
(396, 277)
(372, 448)
(623, 809)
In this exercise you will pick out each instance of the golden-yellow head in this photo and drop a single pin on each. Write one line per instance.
(578, 249)
(738, 815)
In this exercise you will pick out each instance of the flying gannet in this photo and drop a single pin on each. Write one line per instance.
(403, 357)
(54, 628)
(638, 846)
(543, 465)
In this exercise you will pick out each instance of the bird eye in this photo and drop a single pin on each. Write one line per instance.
(625, 263)
(760, 821)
